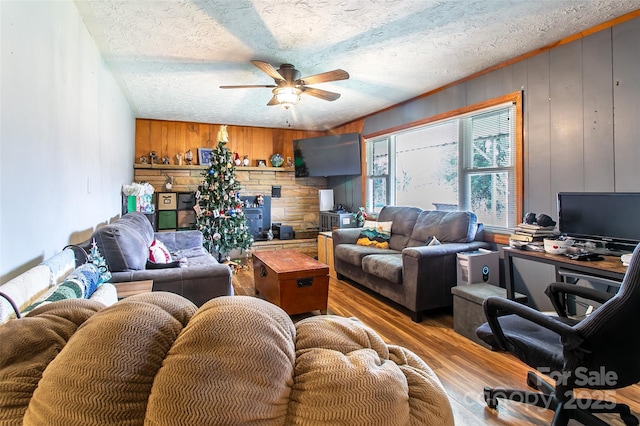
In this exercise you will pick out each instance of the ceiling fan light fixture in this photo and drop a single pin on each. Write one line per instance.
(287, 96)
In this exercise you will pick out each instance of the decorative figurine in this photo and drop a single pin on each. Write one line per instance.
(237, 161)
(165, 159)
(179, 158)
(153, 157)
(143, 160)
(246, 161)
(168, 183)
(188, 157)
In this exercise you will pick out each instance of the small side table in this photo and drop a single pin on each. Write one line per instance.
(129, 288)
(325, 251)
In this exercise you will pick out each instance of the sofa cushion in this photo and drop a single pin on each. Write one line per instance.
(122, 246)
(375, 234)
(385, 266)
(186, 241)
(140, 223)
(446, 226)
(353, 253)
(403, 218)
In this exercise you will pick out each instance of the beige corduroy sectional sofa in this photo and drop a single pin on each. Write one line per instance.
(157, 359)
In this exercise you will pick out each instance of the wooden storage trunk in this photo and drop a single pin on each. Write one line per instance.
(292, 280)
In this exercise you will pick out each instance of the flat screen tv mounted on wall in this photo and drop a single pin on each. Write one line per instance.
(611, 219)
(335, 155)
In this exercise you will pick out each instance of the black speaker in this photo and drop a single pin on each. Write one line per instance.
(282, 232)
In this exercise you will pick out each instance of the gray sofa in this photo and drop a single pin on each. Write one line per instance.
(410, 273)
(125, 246)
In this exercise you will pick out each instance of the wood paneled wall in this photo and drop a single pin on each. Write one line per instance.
(168, 138)
(298, 206)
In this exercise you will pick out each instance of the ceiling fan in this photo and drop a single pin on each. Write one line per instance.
(289, 86)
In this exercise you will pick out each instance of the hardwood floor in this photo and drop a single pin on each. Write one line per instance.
(463, 366)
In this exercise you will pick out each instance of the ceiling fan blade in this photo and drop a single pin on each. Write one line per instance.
(248, 86)
(326, 76)
(266, 68)
(273, 102)
(322, 94)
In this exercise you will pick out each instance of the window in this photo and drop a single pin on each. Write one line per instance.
(468, 159)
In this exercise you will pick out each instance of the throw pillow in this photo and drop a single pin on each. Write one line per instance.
(432, 241)
(158, 253)
(375, 234)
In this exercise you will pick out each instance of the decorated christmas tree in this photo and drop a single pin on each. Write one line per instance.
(219, 209)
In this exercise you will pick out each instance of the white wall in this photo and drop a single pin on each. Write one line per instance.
(66, 134)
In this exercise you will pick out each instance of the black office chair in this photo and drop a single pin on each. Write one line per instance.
(602, 351)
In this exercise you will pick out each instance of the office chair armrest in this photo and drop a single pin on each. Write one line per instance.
(558, 292)
(494, 307)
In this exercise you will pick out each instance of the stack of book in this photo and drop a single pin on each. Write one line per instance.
(529, 233)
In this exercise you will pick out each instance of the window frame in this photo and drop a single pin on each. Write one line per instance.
(498, 235)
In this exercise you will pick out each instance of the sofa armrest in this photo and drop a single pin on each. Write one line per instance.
(429, 273)
(345, 236)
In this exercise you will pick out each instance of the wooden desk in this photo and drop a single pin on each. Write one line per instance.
(130, 288)
(610, 268)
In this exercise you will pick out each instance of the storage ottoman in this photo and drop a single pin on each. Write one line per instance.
(468, 313)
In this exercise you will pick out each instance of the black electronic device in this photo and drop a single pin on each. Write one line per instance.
(335, 155)
(282, 232)
(609, 219)
(258, 216)
(584, 256)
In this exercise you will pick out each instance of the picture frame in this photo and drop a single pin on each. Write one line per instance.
(261, 163)
(204, 156)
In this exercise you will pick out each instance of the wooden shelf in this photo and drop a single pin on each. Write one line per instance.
(199, 167)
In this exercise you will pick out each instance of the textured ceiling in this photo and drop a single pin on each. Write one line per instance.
(170, 57)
